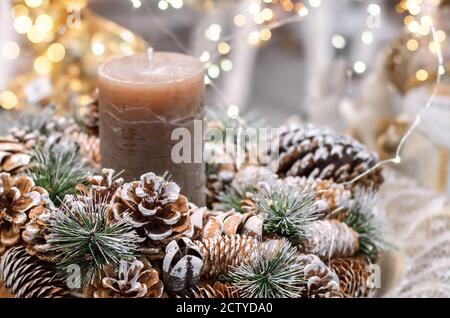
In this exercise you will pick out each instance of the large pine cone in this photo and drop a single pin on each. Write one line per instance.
(28, 277)
(132, 279)
(331, 239)
(354, 276)
(155, 208)
(210, 225)
(223, 253)
(16, 151)
(321, 153)
(321, 282)
(18, 197)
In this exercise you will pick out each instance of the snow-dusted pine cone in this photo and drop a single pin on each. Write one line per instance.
(102, 187)
(91, 116)
(321, 282)
(89, 147)
(16, 151)
(354, 276)
(28, 277)
(129, 279)
(155, 208)
(18, 197)
(215, 290)
(216, 183)
(334, 195)
(209, 225)
(321, 153)
(225, 252)
(330, 239)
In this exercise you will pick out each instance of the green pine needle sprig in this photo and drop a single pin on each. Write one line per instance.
(362, 217)
(58, 171)
(232, 197)
(81, 236)
(274, 272)
(288, 211)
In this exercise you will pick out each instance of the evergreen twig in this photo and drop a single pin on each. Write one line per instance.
(274, 272)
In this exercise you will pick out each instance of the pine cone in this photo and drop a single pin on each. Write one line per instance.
(331, 239)
(16, 151)
(89, 147)
(320, 153)
(28, 277)
(221, 254)
(132, 279)
(210, 225)
(91, 116)
(36, 232)
(103, 186)
(334, 195)
(216, 290)
(321, 282)
(18, 197)
(216, 183)
(155, 208)
(182, 264)
(354, 275)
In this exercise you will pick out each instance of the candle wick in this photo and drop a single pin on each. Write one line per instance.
(149, 55)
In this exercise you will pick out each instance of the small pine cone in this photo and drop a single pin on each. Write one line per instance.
(132, 279)
(320, 153)
(216, 290)
(216, 183)
(103, 186)
(182, 265)
(91, 116)
(334, 195)
(89, 147)
(28, 277)
(16, 151)
(331, 239)
(210, 225)
(321, 282)
(354, 275)
(221, 254)
(36, 232)
(155, 208)
(18, 197)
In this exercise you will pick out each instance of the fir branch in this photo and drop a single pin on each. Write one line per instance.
(275, 272)
(288, 211)
(232, 197)
(80, 234)
(58, 171)
(361, 216)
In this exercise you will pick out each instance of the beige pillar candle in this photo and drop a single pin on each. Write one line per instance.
(143, 98)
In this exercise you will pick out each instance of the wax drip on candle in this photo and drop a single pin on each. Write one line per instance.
(149, 56)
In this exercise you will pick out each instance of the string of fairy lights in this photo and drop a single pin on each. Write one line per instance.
(41, 30)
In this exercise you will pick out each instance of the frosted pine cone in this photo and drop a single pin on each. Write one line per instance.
(209, 225)
(216, 290)
(103, 186)
(131, 279)
(154, 207)
(16, 151)
(330, 239)
(216, 183)
(320, 153)
(28, 277)
(354, 276)
(223, 253)
(89, 147)
(18, 197)
(321, 282)
(91, 116)
(333, 195)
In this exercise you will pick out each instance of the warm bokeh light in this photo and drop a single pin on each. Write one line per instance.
(422, 75)
(8, 100)
(33, 3)
(35, 36)
(44, 23)
(223, 48)
(10, 50)
(412, 44)
(265, 34)
(42, 65)
(22, 24)
(56, 52)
